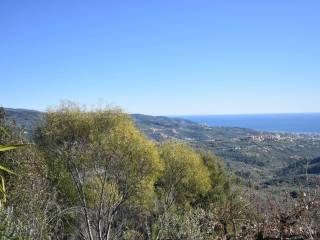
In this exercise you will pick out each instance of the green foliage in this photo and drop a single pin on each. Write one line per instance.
(251, 160)
(185, 177)
(106, 137)
(175, 224)
(27, 208)
(32, 204)
(6, 135)
(3, 169)
(98, 160)
(219, 179)
(93, 189)
(9, 147)
(132, 235)
(94, 175)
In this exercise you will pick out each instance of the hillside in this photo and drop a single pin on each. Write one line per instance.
(260, 156)
(298, 172)
(24, 118)
(265, 158)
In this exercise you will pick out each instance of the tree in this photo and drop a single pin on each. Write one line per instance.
(226, 208)
(31, 201)
(184, 180)
(99, 162)
(185, 176)
(219, 179)
(25, 211)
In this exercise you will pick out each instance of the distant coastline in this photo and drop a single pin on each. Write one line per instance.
(308, 123)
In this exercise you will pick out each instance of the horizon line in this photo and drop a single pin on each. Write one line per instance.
(233, 114)
(193, 114)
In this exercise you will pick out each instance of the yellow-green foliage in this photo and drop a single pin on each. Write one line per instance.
(137, 158)
(94, 173)
(110, 194)
(219, 180)
(97, 141)
(29, 195)
(185, 177)
(3, 194)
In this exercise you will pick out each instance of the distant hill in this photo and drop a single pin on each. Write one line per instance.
(156, 127)
(24, 118)
(162, 128)
(303, 172)
(302, 167)
(266, 158)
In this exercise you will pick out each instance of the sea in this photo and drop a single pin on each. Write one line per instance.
(308, 123)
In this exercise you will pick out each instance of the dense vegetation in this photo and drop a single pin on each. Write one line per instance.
(266, 159)
(94, 175)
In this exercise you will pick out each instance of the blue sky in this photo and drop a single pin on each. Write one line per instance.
(162, 57)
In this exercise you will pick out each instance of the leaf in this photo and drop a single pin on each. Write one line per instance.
(9, 147)
(2, 186)
(2, 168)
(3, 191)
